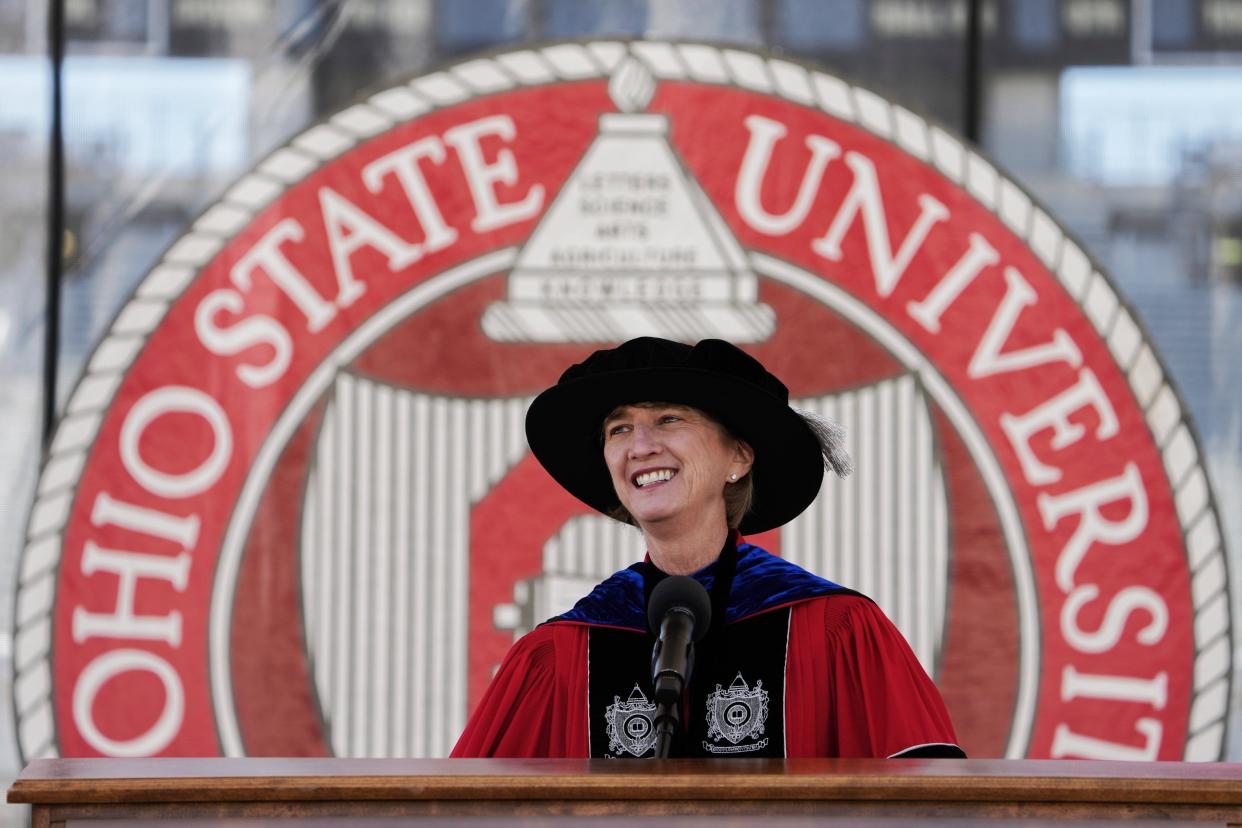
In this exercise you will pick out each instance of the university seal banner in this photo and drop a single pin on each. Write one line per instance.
(290, 510)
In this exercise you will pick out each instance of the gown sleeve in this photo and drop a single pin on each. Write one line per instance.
(855, 688)
(536, 704)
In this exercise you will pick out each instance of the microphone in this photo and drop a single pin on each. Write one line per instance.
(679, 613)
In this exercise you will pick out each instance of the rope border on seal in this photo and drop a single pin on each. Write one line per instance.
(1112, 318)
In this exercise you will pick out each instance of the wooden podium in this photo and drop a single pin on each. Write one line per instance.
(512, 792)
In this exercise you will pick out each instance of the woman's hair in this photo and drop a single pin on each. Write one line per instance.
(738, 497)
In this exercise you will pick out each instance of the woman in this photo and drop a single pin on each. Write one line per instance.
(695, 445)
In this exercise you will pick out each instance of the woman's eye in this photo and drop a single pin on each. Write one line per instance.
(617, 429)
(669, 418)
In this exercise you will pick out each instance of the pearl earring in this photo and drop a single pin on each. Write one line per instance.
(733, 476)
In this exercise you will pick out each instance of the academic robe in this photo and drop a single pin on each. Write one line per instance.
(800, 667)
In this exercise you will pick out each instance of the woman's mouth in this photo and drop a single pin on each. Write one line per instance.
(647, 478)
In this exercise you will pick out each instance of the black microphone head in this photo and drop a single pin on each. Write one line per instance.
(685, 593)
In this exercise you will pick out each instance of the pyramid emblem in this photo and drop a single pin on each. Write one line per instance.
(631, 246)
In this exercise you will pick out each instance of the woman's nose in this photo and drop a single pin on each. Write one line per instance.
(643, 442)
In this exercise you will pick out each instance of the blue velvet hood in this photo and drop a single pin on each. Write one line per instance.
(761, 582)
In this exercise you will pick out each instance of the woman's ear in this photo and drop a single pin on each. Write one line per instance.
(745, 455)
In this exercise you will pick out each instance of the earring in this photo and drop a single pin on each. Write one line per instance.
(733, 476)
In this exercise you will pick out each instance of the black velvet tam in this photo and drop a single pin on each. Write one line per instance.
(564, 424)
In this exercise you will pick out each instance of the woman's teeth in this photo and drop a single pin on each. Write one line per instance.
(658, 476)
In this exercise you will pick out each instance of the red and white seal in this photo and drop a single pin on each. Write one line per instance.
(290, 510)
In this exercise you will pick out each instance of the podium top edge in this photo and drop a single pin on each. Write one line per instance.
(50, 781)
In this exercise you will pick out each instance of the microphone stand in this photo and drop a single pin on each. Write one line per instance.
(666, 723)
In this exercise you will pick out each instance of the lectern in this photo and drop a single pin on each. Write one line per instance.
(511, 792)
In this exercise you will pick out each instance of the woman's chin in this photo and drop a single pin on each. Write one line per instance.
(653, 518)
(654, 514)
(665, 516)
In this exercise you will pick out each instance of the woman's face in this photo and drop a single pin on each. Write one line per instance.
(671, 461)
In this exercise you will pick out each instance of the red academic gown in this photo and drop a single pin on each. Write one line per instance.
(852, 686)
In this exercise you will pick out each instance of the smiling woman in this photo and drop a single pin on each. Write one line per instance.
(675, 471)
(699, 444)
